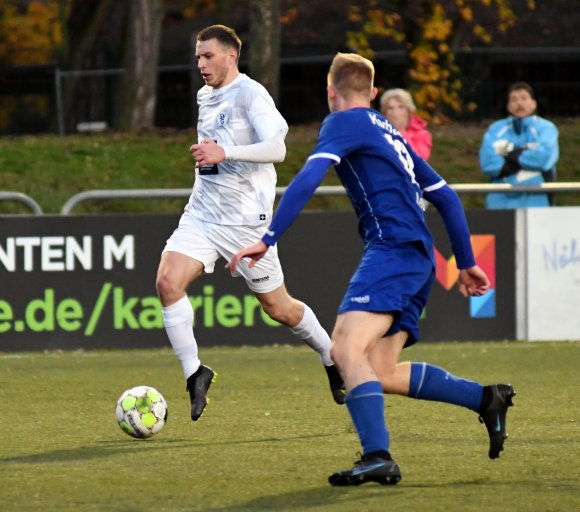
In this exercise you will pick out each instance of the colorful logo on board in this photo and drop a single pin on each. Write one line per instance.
(447, 274)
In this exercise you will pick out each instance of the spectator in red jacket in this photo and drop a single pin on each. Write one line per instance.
(398, 107)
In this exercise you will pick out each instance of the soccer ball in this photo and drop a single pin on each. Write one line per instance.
(141, 411)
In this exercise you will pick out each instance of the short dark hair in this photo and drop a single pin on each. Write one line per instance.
(224, 35)
(519, 86)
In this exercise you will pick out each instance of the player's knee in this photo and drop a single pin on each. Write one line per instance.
(167, 289)
(343, 353)
(336, 355)
(387, 375)
(394, 378)
(279, 313)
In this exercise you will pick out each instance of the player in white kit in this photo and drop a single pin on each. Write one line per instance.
(240, 135)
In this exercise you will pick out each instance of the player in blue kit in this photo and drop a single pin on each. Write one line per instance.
(387, 184)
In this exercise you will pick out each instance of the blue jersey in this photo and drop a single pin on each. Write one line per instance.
(382, 175)
(385, 180)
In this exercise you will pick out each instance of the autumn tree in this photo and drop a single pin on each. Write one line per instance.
(80, 37)
(265, 44)
(127, 35)
(88, 29)
(137, 91)
(431, 32)
(28, 35)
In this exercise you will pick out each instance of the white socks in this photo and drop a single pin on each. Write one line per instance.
(311, 332)
(178, 320)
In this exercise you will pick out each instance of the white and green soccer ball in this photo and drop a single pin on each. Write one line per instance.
(141, 411)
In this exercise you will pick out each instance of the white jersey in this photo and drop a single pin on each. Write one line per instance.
(234, 192)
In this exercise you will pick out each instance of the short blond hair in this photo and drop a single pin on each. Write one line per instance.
(401, 95)
(351, 74)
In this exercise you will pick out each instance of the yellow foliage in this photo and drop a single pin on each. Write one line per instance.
(193, 8)
(354, 14)
(466, 13)
(482, 34)
(289, 16)
(31, 36)
(433, 72)
(359, 43)
(438, 27)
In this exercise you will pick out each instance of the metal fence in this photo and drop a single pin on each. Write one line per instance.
(486, 74)
(176, 193)
(19, 197)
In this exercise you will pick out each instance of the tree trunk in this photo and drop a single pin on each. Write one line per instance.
(81, 34)
(137, 89)
(265, 44)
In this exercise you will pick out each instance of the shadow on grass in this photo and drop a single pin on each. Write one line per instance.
(341, 497)
(82, 453)
(151, 445)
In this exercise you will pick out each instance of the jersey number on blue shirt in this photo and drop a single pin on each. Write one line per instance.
(404, 156)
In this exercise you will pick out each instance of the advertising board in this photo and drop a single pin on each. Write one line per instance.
(69, 282)
(552, 274)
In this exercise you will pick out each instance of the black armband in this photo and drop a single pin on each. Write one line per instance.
(512, 164)
(549, 175)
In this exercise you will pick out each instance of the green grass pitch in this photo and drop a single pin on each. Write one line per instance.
(272, 434)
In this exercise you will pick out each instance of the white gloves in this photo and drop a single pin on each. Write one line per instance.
(503, 147)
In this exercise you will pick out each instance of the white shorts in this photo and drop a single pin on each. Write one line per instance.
(207, 242)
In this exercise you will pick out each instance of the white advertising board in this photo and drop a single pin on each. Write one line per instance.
(553, 273)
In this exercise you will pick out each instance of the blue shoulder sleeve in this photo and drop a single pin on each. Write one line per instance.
(425, 175)
(451, 210)
(297, 195)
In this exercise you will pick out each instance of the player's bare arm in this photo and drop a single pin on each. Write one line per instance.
(255, 252)
(473, 282)
(208, 152)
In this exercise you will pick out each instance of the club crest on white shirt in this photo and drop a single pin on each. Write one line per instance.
(222, 118)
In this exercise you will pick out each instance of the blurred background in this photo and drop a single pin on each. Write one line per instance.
(74, 65)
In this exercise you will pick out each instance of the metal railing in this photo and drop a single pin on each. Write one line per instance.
(325, 190)
(160, 193)
(175, 193)
(19, 197)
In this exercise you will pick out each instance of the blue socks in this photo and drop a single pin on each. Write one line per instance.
(429, 382)
(366, 405)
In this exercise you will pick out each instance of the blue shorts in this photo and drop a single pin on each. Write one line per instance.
(392, 278)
